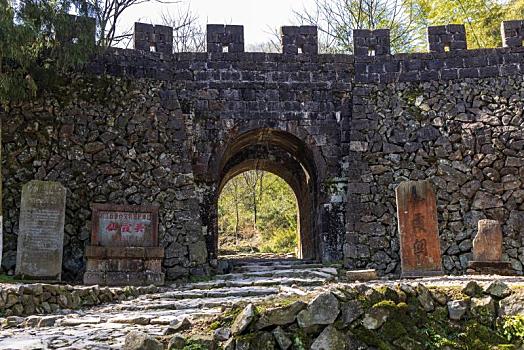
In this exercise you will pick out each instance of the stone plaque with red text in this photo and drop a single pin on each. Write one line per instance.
(124, 225)
(418, 228)
(124, 246)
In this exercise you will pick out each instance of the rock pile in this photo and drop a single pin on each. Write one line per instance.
(397, 316)
(29, 299)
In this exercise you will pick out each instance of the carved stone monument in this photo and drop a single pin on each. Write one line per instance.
(124, 246)
(41, 234)
(417, 224)
(487, 250)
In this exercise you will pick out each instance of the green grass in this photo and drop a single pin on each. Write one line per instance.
(8, 279)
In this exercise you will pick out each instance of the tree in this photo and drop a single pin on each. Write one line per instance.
(336, 20)
(188, 34)
(481, 18)
(276, 213)
(31, 55)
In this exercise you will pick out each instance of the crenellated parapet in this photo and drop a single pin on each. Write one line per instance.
(371, 42)
(148, 37)
(299, 39)
(73, 30)
(446, 38)
(512, 33)
(225, 38)
(448, 57)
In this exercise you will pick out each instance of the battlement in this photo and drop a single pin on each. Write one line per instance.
(447, 58)
(294, 39)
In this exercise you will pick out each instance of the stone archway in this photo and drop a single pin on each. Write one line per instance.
(284, 155)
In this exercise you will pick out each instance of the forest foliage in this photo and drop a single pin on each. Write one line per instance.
(257, 212)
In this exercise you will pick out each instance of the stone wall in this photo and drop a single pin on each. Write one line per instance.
(106, 140)
(148, 127)
(466, 136)
(28, 299)
(142, 127)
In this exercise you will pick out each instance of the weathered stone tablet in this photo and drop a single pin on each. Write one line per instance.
(41, 236)
(487, 250)
(487, 245)
(418, 228)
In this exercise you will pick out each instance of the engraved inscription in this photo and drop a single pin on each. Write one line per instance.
(418, 229)
(40, 241)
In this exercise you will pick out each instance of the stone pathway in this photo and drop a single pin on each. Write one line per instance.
(104, 327)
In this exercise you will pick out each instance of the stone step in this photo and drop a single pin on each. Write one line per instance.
(217, 293)
(324, 272)
(185, 304)
(260, 281)
(269, 262)
(257, 267)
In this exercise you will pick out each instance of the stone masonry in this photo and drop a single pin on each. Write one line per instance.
(141, 127)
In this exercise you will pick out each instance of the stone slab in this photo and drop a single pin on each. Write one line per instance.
(418, 229)
(502, 268)
(119, 225)
(118, 278)
(362, 275)
(124, 265)
(487, 245)
(41, 236)
(99, 252)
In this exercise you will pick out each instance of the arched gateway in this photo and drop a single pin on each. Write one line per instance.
(283, 154)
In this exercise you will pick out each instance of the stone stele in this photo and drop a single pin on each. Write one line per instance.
(487, 245)
(41, 236)
(417, 223)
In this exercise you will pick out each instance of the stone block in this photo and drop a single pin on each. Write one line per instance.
(124, 225)
(41, 236)
(225, 38)
(449, 37)
(124, 246)
(119, 278)
(371, 42)
(299, 39)
(512, 33)
(157, 38)
(362, 275)
(487, 245)
(72, 30)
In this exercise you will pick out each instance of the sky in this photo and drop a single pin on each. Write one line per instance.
(257, 16)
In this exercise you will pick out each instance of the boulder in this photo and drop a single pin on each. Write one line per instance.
(350, 311)
(457, 309)
(136, 340)
(283, 341)
(177, 326)
(472, 289)
(498, 289)
(375, 318)
(330, 339)
(425, 299)
(322, 310)
(512, 305)
(243, 320)
(222, 333)
(280, 316)
(483, 309)
(176, 342)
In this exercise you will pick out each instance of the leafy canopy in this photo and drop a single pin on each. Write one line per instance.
(32, 52)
